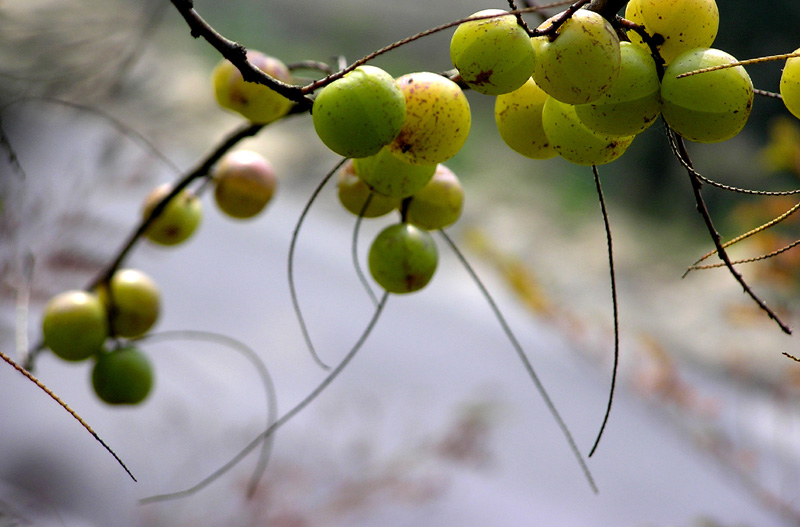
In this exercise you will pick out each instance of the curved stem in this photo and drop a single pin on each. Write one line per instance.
(292, 246)
(283, 420)
(551, 407)
(614, 303)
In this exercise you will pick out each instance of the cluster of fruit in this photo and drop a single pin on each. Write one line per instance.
(102, 323)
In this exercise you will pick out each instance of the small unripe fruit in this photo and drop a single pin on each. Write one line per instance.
(403, 258)
(74, 325)
(439, 203)
(391, 175)
(256, 102)
(357, 115)
(133, 304)
(177, 221)
(123, 376)
(518, 116)
(353, 194)
(244, 183)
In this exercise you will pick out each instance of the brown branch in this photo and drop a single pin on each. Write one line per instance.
(237, 54)
(679, 149)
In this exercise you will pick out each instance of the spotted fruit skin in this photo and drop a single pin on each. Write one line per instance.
(74, 325)
(790, 85)
(357, 115)
(492, 55)
(633, 101)
(255, 102)
(244, 184)
(683, 24)
(403, 258)
(437, 121)
(582, 61)
(574, 141)
(518, 116)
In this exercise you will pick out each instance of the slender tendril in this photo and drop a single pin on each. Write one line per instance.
(284, 419)
(263, 373)
(356, 264)
(293, 244)
(551, 407)
(615, 305)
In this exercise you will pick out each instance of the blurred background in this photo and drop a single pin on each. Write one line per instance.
(435, 422)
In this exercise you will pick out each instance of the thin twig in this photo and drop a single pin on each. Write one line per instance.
(551, 407)
(66, 407)
(679, 149)
(615, 305)
(292, 246)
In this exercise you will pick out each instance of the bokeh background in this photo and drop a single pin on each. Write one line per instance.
(435, 422)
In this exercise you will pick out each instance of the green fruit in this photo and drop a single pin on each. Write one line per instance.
(74, 325)
(123, 376)
(633, 101)
(353, 194)
(574, 141)
(493, 55)
(391, 175)
(403, 258)
(518, 116)
(437, 119)
(582, 61)
(177, 221)
(357, 115)
(707, 107)
(256, 102)
(439, 203)
(133, 304)
(790, 85)
(683, 24)
(244, 183)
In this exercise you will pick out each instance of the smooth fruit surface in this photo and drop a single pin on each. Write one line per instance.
(244, 183)
(790, 85)
(353, 194)
(633, 101)
(74, 325)
(177, 221)
(403, 258)
(684, 24)
(493, 55)
(439, 203)
(391, 175)
(123, 376)
(437, 119)
(255, 102)
(133, 302)
(707, 107)
(518, 116)
(581, 62)
(357, 115)
(574, 141)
